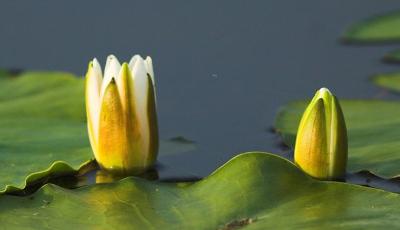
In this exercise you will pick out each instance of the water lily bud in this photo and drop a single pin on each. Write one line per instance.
(321, 142)
(121, 114)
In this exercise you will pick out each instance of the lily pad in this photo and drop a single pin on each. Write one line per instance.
(176, 145)
(389, 81)
(42, 121)
(373, 132)
(381, 28)
(43, 128)
(393, 56)
(253, 190)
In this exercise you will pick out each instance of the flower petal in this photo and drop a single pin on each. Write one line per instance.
(150, 71)
(111, 70)
(149, 68)
(141, 87)
(92, 98)
(153, 124)
(112, 147)
(338, 143)
(133, 61)
(311, 150)
(125, 86)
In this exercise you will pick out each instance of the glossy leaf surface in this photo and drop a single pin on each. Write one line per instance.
(253, 190)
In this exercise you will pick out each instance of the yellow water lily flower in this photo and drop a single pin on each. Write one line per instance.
(121, 114)
(321, 142)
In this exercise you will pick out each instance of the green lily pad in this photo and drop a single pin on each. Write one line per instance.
(43, 128)
(253, 190)
(176, 145)
(381, 28)
(393, 56)
(373, 132)
(42, 121)
(389, 81)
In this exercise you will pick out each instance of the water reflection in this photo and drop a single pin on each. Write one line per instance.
(103, 176)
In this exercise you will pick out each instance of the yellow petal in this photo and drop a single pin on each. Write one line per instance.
(153, 124)
(338, 141)
(311, 152)
(125, 87)
(112, 146)
(135, 146)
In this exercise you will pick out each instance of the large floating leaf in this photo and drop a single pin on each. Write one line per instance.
(393, 56)
(43, 130)
(388, 80)
(176, 145)
(373, 132)
(382, 28)
(42, 120)
(256, 190)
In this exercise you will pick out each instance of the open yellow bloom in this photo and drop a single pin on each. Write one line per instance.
(121, 114)
(321, 142)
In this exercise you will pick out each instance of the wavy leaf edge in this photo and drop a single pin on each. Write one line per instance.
(56, 169)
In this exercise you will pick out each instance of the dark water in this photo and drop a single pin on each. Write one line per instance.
(223, 68)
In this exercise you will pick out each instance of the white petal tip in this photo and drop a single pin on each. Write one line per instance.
(111, 56)
(323, 90)
(95, 63)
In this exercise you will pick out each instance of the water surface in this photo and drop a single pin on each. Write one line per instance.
(223, 68)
